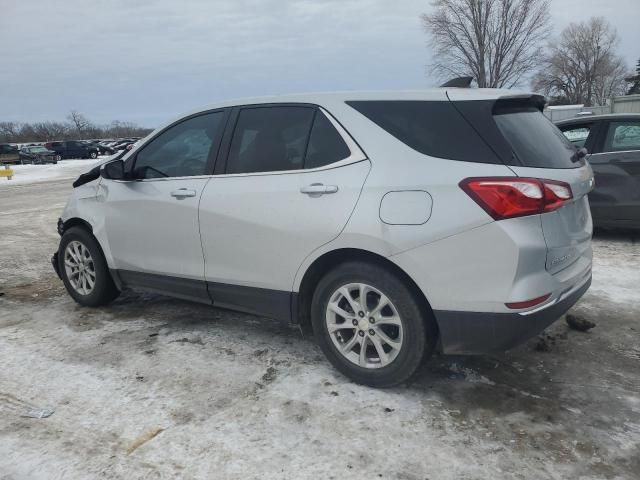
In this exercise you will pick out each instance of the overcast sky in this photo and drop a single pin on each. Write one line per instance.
(148, 60)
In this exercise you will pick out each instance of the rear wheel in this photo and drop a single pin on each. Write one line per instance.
(370, 325)
(84, 270)
(58, 158)
(93, 155)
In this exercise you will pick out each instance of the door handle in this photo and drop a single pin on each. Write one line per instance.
(317, 189)
(183, 193)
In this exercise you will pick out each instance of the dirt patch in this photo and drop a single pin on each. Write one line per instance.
(270, 375)
(195, 341)
(38, 291)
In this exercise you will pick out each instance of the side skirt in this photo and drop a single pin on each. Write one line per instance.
(275, 304)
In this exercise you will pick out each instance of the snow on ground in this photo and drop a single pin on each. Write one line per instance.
(151, 387)
(64, 169)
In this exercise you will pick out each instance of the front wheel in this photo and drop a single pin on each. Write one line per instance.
(93, 155)
(58, 158)
(370, 325)
(84, 269)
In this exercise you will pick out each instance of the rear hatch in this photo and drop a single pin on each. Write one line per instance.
(531, 146)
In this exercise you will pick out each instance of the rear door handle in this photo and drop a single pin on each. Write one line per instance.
(317, 189)
(183, 193)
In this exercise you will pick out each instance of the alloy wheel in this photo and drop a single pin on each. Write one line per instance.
(364, 325)
(79, 267)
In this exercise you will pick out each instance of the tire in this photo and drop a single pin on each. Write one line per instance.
(415, 334)
(103, 290)
(93, 155)
(58, 158)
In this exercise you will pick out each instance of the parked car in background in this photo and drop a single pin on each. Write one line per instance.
(613, 143)
(91, 143)
(9, 153)
(72, 149)
(110, 148)
(123, 144)
(390, 224)
(103, 147)
(37, 155)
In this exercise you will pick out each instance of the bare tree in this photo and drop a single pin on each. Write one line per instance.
(9, 131)
(15, 132)
(79, 121)
(582, 66)
(497, 42)
(46, 131)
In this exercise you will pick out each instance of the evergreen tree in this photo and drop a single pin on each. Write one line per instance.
(634, 89)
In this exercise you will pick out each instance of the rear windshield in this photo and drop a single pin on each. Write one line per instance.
(434, 128)
(536, 142)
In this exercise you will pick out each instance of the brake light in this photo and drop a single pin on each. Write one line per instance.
(509, 197)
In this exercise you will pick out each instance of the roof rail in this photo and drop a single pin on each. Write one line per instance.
(458, 82)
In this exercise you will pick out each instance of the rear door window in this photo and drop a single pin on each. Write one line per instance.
(433, 128)
(535, 140)
(326, 146)
(622, 136)
(270, 139)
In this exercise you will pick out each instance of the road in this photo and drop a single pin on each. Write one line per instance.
(151, 387)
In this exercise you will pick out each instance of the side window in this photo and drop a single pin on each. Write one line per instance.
(325, 144)
(269, 139)
(434, 128)
(181, 151)
(577, 135)
(622, 136)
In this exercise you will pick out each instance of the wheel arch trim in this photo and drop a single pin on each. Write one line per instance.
(64, 225)
(323, 263)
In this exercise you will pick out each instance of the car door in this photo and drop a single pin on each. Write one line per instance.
(151, 221)
(70, 150)
(616, 197)
(291, 179)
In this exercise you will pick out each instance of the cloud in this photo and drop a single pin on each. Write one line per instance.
(149, 60)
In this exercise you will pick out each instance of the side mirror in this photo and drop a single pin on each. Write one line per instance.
(113, 170)
(582, 152)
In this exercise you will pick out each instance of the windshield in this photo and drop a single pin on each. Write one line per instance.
(536, 142)
(38, 150)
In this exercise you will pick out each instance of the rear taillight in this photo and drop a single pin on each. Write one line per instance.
(509, 197)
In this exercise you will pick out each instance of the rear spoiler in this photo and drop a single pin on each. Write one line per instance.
(458, 82)
(518, 102)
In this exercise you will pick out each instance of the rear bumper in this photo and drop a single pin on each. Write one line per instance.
(478, 333)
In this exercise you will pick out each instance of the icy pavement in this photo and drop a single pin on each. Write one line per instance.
(152, 387)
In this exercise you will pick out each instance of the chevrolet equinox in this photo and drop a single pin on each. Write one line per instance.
(390, 225)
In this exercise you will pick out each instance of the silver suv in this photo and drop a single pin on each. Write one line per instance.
(388, 224)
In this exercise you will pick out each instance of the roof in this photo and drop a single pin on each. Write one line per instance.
(344, 96)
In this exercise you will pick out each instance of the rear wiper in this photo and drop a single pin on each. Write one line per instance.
(579, 155)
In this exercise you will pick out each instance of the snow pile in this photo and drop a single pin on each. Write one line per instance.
(64, 169)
